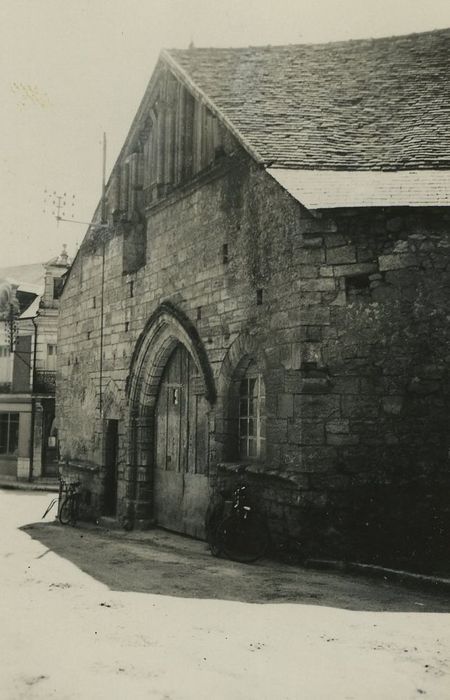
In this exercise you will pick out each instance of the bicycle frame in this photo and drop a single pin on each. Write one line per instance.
(238, 530)
(68, 511)
(68, 495)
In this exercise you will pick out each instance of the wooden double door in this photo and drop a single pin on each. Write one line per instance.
(181, 491)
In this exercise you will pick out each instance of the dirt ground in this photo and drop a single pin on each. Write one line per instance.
(88, 613)
(165, 563)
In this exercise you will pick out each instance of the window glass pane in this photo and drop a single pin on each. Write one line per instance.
(252, 448)
(251, 430)
(13, 434)
(251, 407)
(243, 389)
(243, 427)
(253, 386)
(3, 433)
(243, 447)
(242, 408)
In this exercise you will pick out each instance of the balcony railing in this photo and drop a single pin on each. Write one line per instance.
(45, 382)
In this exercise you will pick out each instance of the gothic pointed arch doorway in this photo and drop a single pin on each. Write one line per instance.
(180, 477)
(171, 392)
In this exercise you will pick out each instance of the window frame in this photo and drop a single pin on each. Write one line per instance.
(251, 432)
(51, 357)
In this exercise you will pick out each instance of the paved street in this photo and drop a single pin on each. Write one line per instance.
(89, 614)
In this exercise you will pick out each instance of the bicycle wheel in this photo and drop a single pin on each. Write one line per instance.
(65, 512)
(213, 519)
(243, 538)
(75, 509)
(215, 542)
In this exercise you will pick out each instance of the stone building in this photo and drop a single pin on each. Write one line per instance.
(29, 298)
(265, 291)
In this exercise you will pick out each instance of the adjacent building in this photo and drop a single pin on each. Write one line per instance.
(28, 348)
(264, 292)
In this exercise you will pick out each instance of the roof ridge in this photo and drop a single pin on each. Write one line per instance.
(314, 44)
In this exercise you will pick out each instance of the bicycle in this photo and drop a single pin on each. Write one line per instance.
(68, 510)
(68, 513)
(237, 530)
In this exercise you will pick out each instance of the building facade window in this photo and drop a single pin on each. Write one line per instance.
(9, 433)
(252, 415)
(51, 357)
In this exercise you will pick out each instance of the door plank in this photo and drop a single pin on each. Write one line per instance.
(181, 487)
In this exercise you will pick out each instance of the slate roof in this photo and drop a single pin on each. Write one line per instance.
(381, 104)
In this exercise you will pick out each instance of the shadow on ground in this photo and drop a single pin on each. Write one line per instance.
(167, 564)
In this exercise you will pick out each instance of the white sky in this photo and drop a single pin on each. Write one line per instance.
(71, 69)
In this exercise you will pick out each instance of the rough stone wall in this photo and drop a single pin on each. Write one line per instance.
(367, 411)
(351, 335)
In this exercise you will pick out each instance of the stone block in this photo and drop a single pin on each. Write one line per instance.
(322, 284)
(318, 459)
(338, 427)
(310, 315)
(318, 225)
(293, 381)
(315, 242)
(311, 333)
(304, 432)
(360, 407)
(277, 431)
(285, 406)
(342, 255)
(280, 319)
(311, 256)
(335, 240)
(316, 406)
(341, 439)
(308, 271)
(285, 355)
(340, 299)
(355, 269)
(315, 385)
(392, 404)
(311, 353)
(397, 262)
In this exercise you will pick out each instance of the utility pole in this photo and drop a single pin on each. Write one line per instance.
(102, 296)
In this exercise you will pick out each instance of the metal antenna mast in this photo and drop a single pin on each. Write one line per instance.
(59, 203)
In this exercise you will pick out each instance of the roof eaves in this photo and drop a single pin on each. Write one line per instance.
(337, 189)
(200, 94)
